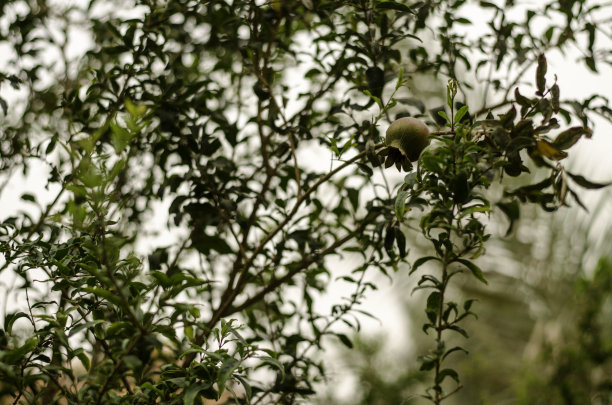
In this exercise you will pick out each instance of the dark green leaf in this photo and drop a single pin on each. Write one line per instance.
(19, 354)
(205, 243)
(389, 238)
(569, 137)
(453, 350)
(400, 240)
(554, 94)
(474, 269)
(427, 363)
(392, 5)
(345, 340)
(461, 113)
(590, 62)
(10, 319)
(541, 74)
(581, 181)
(522, 100)
(447, 372)
(226, 370)
(512, 211)
(433, 303)
(419, 262)
(191, 393)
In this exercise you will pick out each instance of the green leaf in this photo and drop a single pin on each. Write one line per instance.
(400, 79)
(389, 238)
(375, 78)
(415, 102)
(274, 363)
(461, 113)
(410, 179)
(400, 241)
(453, 350)
(3, 105)
(191, 393)
(248, 392)
(89, 174)
(120, 137)
(541, 74)
(427, 363)
(225, 372)
(433, 303)
(581, 181)
(459, 330)
(85, 325)
(28, 197)
(447, 372)
(419, 262)
(345, 340)
(512, 211)
(16, 355)
(400, 205)
(10, 319)
(373, 97)
(365, 168)
(590, 62)
(443, 115)
(554, 94)
(194, 349)
(105, 294)
(476, 271)
(569, 137)
(487, 4)
(135, 110)
(474, 209)
(205, 243)
(392, 5)
(116, 327)
(132, 362)
(84, 360)
(522, 100)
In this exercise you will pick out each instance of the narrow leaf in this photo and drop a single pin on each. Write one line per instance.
(541, 74)
(447, 372)
(581, 181)
(419, 262)
(225, 372)
(554, 92)
(400, 205)
(461, 113)
(392, 5)
(19, 353)
(345, 340)
(569, 137)
(476, 271)
(453, 350)
(10, 319)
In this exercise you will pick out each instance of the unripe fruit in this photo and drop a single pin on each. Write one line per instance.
(409, 135)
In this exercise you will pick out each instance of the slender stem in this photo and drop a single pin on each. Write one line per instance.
(439, 328)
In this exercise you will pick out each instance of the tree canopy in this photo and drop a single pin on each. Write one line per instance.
(254, 131)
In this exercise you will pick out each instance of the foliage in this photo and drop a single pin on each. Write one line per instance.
(196, 105)
(540, 337)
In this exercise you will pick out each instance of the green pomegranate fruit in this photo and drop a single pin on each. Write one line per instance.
(409, 135)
